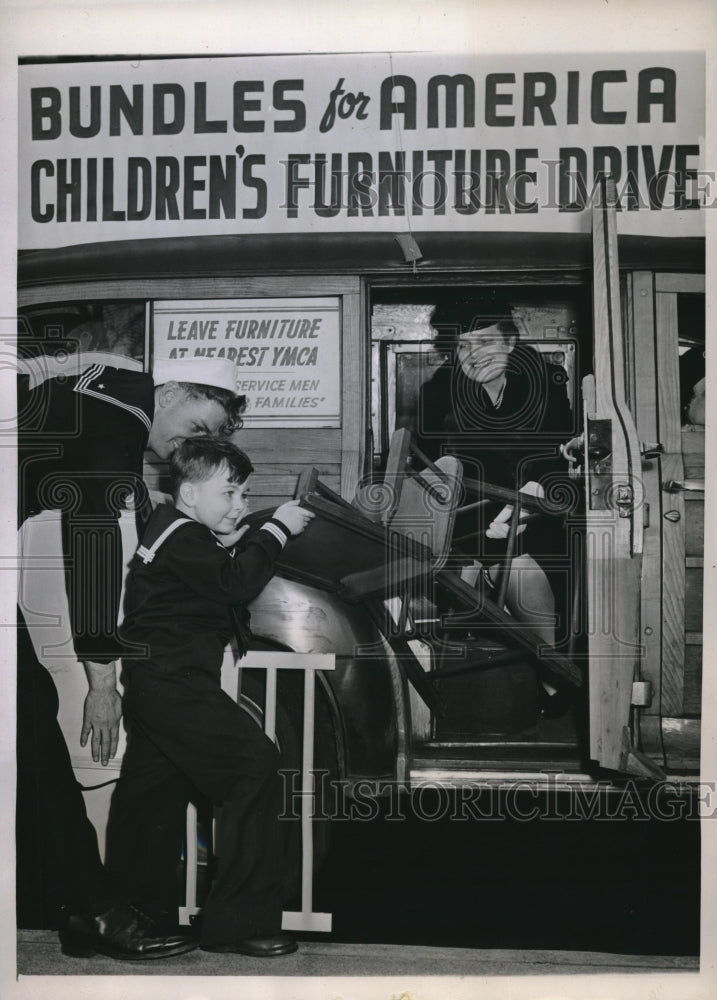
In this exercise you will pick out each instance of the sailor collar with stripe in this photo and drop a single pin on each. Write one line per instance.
(147, 552)
(113, 378)
(47, 366)
(109, 385)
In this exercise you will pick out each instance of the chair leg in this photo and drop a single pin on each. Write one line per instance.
(504, 572)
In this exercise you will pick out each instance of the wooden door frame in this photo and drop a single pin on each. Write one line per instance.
(652, 312)
(614, 503)
(640, 296)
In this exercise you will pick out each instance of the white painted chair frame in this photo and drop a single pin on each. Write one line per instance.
(304, 919)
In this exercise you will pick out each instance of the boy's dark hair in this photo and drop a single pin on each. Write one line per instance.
(232, 404)
(198, 458)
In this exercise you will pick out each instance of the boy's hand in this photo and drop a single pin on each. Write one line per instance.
(232, 537)
(293, 517)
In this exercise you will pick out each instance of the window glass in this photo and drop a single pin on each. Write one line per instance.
(87, 328)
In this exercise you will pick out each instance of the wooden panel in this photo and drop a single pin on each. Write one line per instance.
(645, 380)
(693, 453)
(651, 737)
(295, 449)
(279, 488)
(695, 527)
(612, 629)
(273, 468)
(680, 283)
(281, 455)
(693, 445)
(294, 469)
(693, 600)
(615, 543)
(673, 507)
(270, 482)
(668, 373)
(673, 587)
(354, 353)
(318, 446)
(681, 739)
(628, 342)
(694, 467)
(188, 288)
(693, 680)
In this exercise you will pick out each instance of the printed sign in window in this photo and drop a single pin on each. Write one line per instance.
(287, 353)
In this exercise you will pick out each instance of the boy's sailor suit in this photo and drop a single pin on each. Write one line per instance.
(185, 598)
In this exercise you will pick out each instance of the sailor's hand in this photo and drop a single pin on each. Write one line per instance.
(293, 517)
(102, 711)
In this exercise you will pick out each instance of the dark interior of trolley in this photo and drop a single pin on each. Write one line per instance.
(487, 712)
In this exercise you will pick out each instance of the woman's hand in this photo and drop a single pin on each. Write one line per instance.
(500, 526)
(570, 447)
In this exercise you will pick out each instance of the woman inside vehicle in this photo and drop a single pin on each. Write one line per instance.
(502, 408)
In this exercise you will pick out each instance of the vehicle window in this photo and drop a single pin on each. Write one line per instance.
(406, 351)
(691, 334)
(68, 328)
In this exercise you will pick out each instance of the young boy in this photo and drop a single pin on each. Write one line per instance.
(186, 593)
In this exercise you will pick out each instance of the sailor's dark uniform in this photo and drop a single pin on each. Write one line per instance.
(81, 442)
(185, 597)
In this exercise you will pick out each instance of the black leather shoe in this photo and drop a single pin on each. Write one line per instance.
(122, 932)
(258, 947)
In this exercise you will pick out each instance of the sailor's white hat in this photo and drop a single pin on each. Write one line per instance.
(218, 372)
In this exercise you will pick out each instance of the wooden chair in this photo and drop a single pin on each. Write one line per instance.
(416, 500)
(394, 540)
(417, 511)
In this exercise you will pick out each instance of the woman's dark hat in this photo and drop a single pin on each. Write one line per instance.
(457, 314)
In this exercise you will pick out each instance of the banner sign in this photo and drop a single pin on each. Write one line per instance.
(121, 149)
(287, 353)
